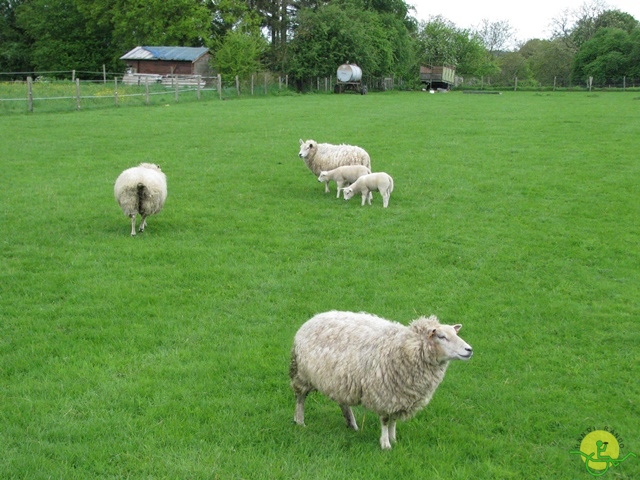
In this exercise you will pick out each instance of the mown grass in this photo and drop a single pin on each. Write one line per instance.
(166, 355)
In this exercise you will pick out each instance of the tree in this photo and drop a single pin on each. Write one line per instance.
(346, 31)
(240, 53)
(496, 36)
(440, 42)
(14, 54)
(605, 57)
(549, 60)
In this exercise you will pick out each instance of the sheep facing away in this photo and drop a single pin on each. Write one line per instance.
(378, 181)
(345, 175)
(325, 156)
(141, 190)
(358, 358)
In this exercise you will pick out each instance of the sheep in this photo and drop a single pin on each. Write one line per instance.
(324, 156)
(345, 175)
(143, 190)
(380, 181)
(387, 367)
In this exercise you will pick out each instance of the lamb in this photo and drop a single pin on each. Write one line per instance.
(358, 358)
(324, 156)
(141, 190)
(378, 181)
(343, 175)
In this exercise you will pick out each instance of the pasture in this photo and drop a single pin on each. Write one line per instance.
(166, 355)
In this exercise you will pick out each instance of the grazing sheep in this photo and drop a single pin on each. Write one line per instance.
(343, 175)
(378, 181)
(143, 190)
(324, 156)
(358, 358)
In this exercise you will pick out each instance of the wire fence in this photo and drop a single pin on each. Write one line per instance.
(28, 92)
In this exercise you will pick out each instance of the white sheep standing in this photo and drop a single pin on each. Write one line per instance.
(358, 358)
(345, 175)
(325, 156)
(377, 181)
(141, 190)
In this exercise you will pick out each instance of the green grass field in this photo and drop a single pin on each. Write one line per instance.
(166, 355)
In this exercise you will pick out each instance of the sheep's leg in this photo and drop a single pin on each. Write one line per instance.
(370, 197)
(326, 186)
(340, 187)
(364, 198)
(133, 224)
(385, 199)
(384, 435)
(348, 416)
(299, 415)
(392, 430)
(143, 223)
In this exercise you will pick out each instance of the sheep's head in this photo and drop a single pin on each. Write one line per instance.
(307, 148)
(323, 176)
(348, 193)
(441, 343)
(448, 345)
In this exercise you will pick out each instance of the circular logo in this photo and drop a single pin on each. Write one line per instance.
(599, 448)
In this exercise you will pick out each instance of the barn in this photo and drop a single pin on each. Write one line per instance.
(168, 60)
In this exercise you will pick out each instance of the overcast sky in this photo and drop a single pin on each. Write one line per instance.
(528, 19)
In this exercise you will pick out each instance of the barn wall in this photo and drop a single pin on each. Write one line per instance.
(163, 67)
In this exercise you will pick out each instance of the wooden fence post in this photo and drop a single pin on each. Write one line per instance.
(515, 86)
(279, 83)
(220, 86)
(266, 87)
(73, 75)
(252, 84)
(146, 89)
(286, 81)
(177, 95)
(104, 73)
(554, 83)
(30, 94)
(115, 90)
(198, 78)
(77, 94)
(237, 85)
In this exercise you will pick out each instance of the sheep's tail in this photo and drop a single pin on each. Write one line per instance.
(391, 184)
(141, 193)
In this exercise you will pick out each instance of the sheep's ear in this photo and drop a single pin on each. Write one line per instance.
(301, 141)
(431, 332)
(457, 327)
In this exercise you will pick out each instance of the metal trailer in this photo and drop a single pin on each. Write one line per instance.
(440, 76)
(349, 77)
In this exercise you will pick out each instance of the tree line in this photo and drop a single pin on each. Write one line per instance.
(311, 38)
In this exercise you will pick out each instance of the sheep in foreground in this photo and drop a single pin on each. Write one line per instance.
(358, 358)
(378, 181)
(343, 175)
(141, 190)
(324, 156)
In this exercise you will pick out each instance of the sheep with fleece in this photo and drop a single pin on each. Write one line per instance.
(325, 156)
(345, 175)
(378, 181)
(358, 358)
(141, 190)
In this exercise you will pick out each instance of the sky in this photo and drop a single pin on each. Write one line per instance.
(528, 19)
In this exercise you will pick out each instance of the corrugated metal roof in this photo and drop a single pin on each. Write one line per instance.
(190, 54)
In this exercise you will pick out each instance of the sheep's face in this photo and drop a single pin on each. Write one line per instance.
(448, 344)
(323, 176)
(348, 193)
(306, 148)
